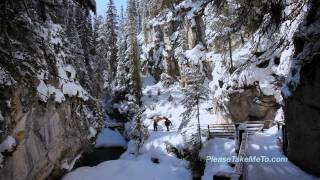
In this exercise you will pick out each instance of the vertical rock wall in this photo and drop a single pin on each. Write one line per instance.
(302, 103)
(46, 103)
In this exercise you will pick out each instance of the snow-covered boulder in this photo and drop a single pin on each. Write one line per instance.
(109, 138)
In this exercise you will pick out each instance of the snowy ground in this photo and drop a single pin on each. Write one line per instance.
(266, 144)
(217, 147)
(109, 138)
(166, 101)
(141, 167)
(260, 145)
(129, 169)
(161, 101)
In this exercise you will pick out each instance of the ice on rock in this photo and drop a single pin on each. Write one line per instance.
(7, 145)
(93, 132)
(43, 91)
(69, 166)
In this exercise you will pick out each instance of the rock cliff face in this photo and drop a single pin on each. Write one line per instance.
(47, 103)
(302, 105)
(245, 53)
(248, 55)
(250, 105)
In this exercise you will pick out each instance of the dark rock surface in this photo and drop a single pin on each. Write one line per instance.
(100, 155)
(302, 108)
(34, 40)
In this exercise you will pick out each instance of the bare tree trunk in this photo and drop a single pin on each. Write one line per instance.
(242, 39)
(198, 117)
(230, 53)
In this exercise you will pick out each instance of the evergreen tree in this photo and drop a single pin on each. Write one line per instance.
(72, 30)
(100, 63)
(133, 51)
(139, 132)
(84, 30)
(97, 24)
(111, 38)
(122, 80)
(99, 43)
(195, 94)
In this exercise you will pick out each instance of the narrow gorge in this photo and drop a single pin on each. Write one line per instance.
(135, 92)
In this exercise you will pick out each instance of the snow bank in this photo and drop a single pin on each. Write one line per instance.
(267, 144)
(109, 138)
(138, 167)
(74, 89)
(148, 81)
(197, 54)
(158, 140)
(129, 169)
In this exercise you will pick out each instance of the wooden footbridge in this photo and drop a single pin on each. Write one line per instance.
(231, 130)
(239, 132)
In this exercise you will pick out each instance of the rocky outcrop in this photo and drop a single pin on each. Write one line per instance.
(250, 47)
(235, 44)
(302, 103)
(252, 105)
(47, 135)
(46, 101)
(171, 29)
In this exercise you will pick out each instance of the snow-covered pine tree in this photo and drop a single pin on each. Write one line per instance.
(111, 26)
(139, 132)
(71, 30)
(84, 29)
(99, 63)
(133, 51)
(195, 93)
(97, 24)
(122, 80)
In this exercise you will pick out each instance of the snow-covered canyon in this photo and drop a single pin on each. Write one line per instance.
(140, 89)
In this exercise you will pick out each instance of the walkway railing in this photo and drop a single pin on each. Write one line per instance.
(221, 130)
(240, 132)
(240, 167)
(254, 126)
